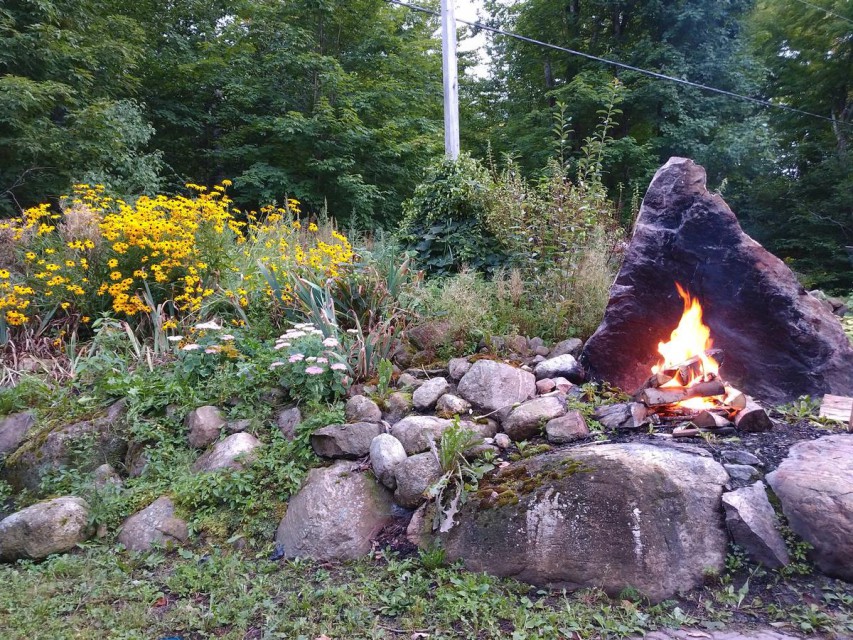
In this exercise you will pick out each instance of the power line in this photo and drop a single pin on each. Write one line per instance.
(826, 11)
(622, 65)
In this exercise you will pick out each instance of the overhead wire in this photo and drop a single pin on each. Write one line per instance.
(825, 10)
(622, 65)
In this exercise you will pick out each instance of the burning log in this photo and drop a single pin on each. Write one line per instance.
(622, 416)
(672, 395)
(692, 368)
(734, 399)
(753, 419)
(657, 380)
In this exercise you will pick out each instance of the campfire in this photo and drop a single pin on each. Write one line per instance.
(685, 390)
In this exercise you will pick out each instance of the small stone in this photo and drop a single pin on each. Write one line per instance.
(545, 385)
(362, 409)
(563, 385)
(386, 452)
(565, 366)
(752, 522)
(104, 475)
(425, 397)
(503, 440)
(449, 405)
(234, 452)
(567, 428)
(527, 420)
(414, 476)
(417, 432)
(741, 474)
(408, 381)
(572, 347)
(52, 526)
(238, 426)
(517, 344)
(204, 425)
(535, 343)
(397, 407)
(542, 351)
(739, 456)
(458, 367)
(13, 431)
(345, 440)
(156, 524)
(288, 420)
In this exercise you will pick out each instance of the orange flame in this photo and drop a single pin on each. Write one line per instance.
(691, 338)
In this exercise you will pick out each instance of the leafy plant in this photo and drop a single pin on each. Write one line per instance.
(460, 476)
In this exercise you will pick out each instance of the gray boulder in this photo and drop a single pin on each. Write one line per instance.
(414, 476)
(234, 452)
(408, 381)
(567, 428)
(13, 431)
(449, 405)
(362, 409)
(426, 395)
(345, 440)
(156, 524)
(104, 475)
(417, 432)
(741, 474)
(204, 425)
(752, 522)
(494, 386)
(287, 421)
(608, 516)
(739, 456)
(814, 486)
(103, 440)
(397, 407)
(386, 452)
(564, 366)
(528, 419)
(335, 515)
(572, 347)
(52, 526)
(458, 367)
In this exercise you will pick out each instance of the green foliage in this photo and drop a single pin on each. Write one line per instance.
(445, 222)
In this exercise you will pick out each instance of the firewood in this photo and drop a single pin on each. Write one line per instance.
(753, 419)
(671, 395)
(685, 371)
(656, 380)
(685, 432)
(711, 420)
(734, 398)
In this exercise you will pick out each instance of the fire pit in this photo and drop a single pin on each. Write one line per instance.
(779, 341)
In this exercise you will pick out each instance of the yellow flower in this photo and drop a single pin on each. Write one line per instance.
(112, 263)
(115, 275)
(4, 275)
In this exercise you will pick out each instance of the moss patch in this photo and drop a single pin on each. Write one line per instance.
(506, 486)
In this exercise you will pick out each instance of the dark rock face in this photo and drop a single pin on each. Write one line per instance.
(779, 341)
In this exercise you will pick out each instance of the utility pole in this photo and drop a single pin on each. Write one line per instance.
(451, 80)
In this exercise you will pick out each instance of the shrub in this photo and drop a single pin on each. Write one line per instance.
(445, 222)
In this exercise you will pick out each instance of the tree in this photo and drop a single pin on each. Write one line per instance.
(67, 80)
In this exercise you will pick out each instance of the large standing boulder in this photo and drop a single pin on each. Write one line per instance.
(53, 526)
(752, 522)
(335, 515)
(84, 445)
(13, 431)
(609, 516)
(779, 341)
(156, 524)
(815, 486)
(495, 386)
(234, 452)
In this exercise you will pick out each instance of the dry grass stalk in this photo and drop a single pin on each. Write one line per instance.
(80, 222)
